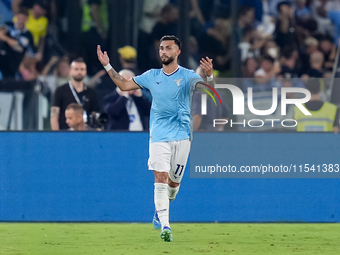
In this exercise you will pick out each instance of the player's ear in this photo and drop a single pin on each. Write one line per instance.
(178, 52)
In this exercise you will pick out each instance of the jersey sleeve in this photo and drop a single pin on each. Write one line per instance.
(144, 79)
(196, 104)
(194, 78)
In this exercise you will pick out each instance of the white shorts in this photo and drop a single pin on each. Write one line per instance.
(170, 157)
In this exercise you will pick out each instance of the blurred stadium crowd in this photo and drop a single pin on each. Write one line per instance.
(276, 41)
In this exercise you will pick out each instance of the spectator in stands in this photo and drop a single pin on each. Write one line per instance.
(268, 21)
(22, 4)
(214, 42)
(28, 69)
(62, 71)
(75, 91)
(270, 48)
(94, 29)
(328, 49)
(16, 42)
(149, 17)
(193, 61)
(289, 73)
(302, 11)
(205, 122)
(285, 26)
(245, 46)
(320, 10)
(288, 60)
(202, 10)
(151, 12)
(37, 24)
(266, 71)
(95, 16)
(127, 58)
(127, 110)
(264, 77)
(243, 34)
(249, 67)
(310, 46)
(197, 18)
(272, 7)
(74, 115)
(246, 17)
(167, 25)
(316, 66)
(56, 73)
(325, 116)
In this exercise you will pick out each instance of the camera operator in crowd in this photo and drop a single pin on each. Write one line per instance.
(74, 114)
(75, 91)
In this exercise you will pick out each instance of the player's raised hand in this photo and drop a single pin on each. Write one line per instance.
(103, 57)
(207, 66)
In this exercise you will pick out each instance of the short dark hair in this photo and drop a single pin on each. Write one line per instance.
(313, 85)
(269, 58)
(76, 107)
(167, 9)
(310, 24)
(325, 37)
(23, 11)
(172, 38)
(278, 7)
(78, 60)
(287, 51)
(42, 3)
(243, 10)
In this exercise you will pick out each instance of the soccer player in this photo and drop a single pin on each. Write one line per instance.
(170, 121)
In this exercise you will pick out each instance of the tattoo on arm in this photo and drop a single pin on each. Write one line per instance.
(55, 112)
(115, 75)
(121, 82)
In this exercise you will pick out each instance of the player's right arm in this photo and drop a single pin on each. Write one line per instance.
(119, 80)
(55, 111)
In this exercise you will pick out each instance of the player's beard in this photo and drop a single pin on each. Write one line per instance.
(168, 61)
(78, 78)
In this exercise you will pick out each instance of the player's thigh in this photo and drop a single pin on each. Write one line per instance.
(179, 158)
(159, 156)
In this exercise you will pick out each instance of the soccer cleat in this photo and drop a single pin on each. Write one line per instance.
(155, 221)
(166, 234)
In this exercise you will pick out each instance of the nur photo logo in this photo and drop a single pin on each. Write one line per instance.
(239, 104)
(204, 96)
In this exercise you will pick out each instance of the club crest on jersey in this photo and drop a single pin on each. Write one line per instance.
(178, 82)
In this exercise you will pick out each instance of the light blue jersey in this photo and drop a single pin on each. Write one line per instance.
(170, 118)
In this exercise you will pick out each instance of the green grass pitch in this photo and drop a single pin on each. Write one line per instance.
(193, 238)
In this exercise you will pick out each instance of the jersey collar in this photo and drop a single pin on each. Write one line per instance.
(169, 74)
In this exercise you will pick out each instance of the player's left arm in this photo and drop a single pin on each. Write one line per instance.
(207, 65)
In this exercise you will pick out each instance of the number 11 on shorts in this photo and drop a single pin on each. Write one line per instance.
(178, 167)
